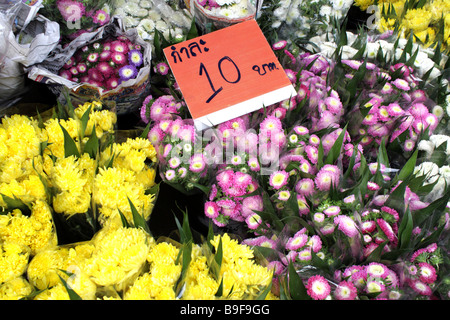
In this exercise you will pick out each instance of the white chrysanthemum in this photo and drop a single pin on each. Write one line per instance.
(428, 169)
(147, 24)
(427, 146)
(439, 139)
(444, 171)
(145, 4)
(130, 21)
(438, 111)
(130, 8)
(141, 13)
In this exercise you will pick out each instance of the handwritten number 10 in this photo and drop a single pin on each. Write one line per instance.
(219, 65)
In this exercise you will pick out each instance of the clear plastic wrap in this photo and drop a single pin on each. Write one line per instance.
(128, 96)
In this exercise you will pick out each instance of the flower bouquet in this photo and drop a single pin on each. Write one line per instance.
(114, 62)
(213, 15)
(146, 16)
(77, 17)
(426, 21)
(299, 20)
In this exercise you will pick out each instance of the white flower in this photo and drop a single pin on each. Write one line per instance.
(141, 13)
(371, 50)
(428, 169)
(325, 11)
(145, 4)
(438, 111)
(348, 52)
(226, 2)
(427, 146)
(130, 8)
(147, 24)
(439, 139)
(292, 15)
(130, 21)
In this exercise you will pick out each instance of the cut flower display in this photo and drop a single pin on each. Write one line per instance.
(341, 192)
(105, 64)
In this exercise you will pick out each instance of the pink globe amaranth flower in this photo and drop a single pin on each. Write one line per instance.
(347, 225)
(345, 290)
(112, 83)
(420, 287)
(101, 17)
(387, 230)
(279, 45)
(377, 270)
(315, 243)
(278, 179)
(251, 204)
(71, 11)
(368, 226)
(401, 84)
(105, 55)
(253, 221)
(427, 273)
(318, 287)
(296, 242)
(305, 187)
(119, 46)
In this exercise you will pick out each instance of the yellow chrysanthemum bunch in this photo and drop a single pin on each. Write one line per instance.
(423, 22)
(119, 256)
(20, 138)
(103, 120)
(13, 260)
(15, 289)
(242, 277)
(73, 180)
(158, 283)
(112, 259)
(129, 178)
(36, 231)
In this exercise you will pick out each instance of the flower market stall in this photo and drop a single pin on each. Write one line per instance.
(331, 182)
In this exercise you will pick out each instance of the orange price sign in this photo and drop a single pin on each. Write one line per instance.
(228, 73)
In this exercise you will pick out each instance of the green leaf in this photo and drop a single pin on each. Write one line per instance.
(335, 151)
(375, 255)
(85, 119)
(124, 220)
(138, 219)
(266, 291)
(193, 32)
(146, 131)
(219, 292)
(72, 294)
(185, 230)
(70, 147)
(92, 145)
(16, 203)
(405, 230)
(408, 168)
(297, 289)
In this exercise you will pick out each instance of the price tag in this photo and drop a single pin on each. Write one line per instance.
(228, 73)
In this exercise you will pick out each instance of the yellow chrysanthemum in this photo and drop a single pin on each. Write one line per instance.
(55, 137)
(119, 254)
(57, 292)
(13, 260)
(73, 179)
(15, 289)
(417, 19)
(103, 120)
(45, 267)
(37, 231)
(232, 250)
(112, 189)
